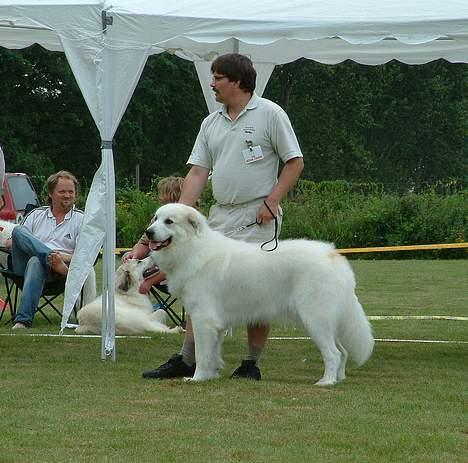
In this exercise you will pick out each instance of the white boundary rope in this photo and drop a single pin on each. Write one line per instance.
(416, 317)
(273, 338)
(428, 341)
(75, 336)
(292, 338)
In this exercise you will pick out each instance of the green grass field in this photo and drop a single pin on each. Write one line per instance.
(60, 403)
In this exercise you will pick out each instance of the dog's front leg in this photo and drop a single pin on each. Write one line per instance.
(207, 349)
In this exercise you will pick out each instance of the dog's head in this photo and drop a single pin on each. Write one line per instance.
(174, 223)
(131, 273)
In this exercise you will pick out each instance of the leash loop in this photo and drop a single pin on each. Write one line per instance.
(275, 236)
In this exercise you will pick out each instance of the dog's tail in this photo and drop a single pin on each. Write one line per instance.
(356, 332)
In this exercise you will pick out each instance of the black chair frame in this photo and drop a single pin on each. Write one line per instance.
(166, 301)
(14, 284)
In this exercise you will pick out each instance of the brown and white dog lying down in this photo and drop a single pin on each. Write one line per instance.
(134, 313)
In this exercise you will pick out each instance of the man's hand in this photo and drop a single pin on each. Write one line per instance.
(264, 215)
(287, 179)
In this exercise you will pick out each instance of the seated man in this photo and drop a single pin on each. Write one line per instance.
(42, 246)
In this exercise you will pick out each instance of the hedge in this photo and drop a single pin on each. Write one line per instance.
(350, 215)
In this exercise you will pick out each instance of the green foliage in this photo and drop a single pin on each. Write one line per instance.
(134, 210)
(348, 214)
(338, 212)
(162, 120)
(395, 124)
(44, 123)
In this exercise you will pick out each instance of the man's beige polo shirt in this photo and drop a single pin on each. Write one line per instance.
(220, 143)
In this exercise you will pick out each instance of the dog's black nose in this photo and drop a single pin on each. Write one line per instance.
(149, 234)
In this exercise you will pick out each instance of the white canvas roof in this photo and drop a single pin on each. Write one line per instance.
(107, 45)
(283, 32)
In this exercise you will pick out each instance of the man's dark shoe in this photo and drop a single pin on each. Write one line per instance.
(248, 370)
(173, 368)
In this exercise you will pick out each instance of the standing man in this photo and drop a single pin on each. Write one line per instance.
(42, 246)
(242, 145)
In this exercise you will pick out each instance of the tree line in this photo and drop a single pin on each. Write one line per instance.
(400, 125)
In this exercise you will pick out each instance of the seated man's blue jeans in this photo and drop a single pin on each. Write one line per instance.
(29, 259)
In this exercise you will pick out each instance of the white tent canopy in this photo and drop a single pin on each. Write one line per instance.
(107, 45)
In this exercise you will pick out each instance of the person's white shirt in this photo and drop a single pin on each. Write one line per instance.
(42, 224)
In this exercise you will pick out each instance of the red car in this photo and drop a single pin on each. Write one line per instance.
(19, 196)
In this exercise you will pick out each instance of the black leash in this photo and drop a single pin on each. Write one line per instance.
(275, 237)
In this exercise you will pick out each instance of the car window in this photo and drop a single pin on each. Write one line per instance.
(22, 192)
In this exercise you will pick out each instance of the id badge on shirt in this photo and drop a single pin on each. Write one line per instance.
(252, 154)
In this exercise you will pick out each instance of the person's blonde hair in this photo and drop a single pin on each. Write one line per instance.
(169, 189)
(54, 178)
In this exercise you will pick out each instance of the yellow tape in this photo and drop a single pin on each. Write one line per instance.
(414, 247)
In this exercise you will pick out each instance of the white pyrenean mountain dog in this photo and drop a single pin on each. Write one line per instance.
(224, 282)
(134, 313)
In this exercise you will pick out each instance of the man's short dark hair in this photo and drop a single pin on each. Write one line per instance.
(237, 68)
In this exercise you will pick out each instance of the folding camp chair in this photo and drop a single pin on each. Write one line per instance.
(14, 284)
(166, 301)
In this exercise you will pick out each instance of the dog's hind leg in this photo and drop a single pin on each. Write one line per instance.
(341, 375)
(219, 349)
(323, 337)
(207, 349)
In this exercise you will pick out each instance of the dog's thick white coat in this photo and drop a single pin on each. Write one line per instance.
(224, 282)
(134, 313)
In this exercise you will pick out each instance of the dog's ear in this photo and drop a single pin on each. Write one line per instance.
(194, 222)
(125, 282)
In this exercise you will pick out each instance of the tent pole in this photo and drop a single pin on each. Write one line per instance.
(108, 348)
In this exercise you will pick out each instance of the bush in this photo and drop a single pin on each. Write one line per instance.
(350, 215)
(134, 210)
(338, 212)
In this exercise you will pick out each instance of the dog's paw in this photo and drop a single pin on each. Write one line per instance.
(204, 375)
(325, 382)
